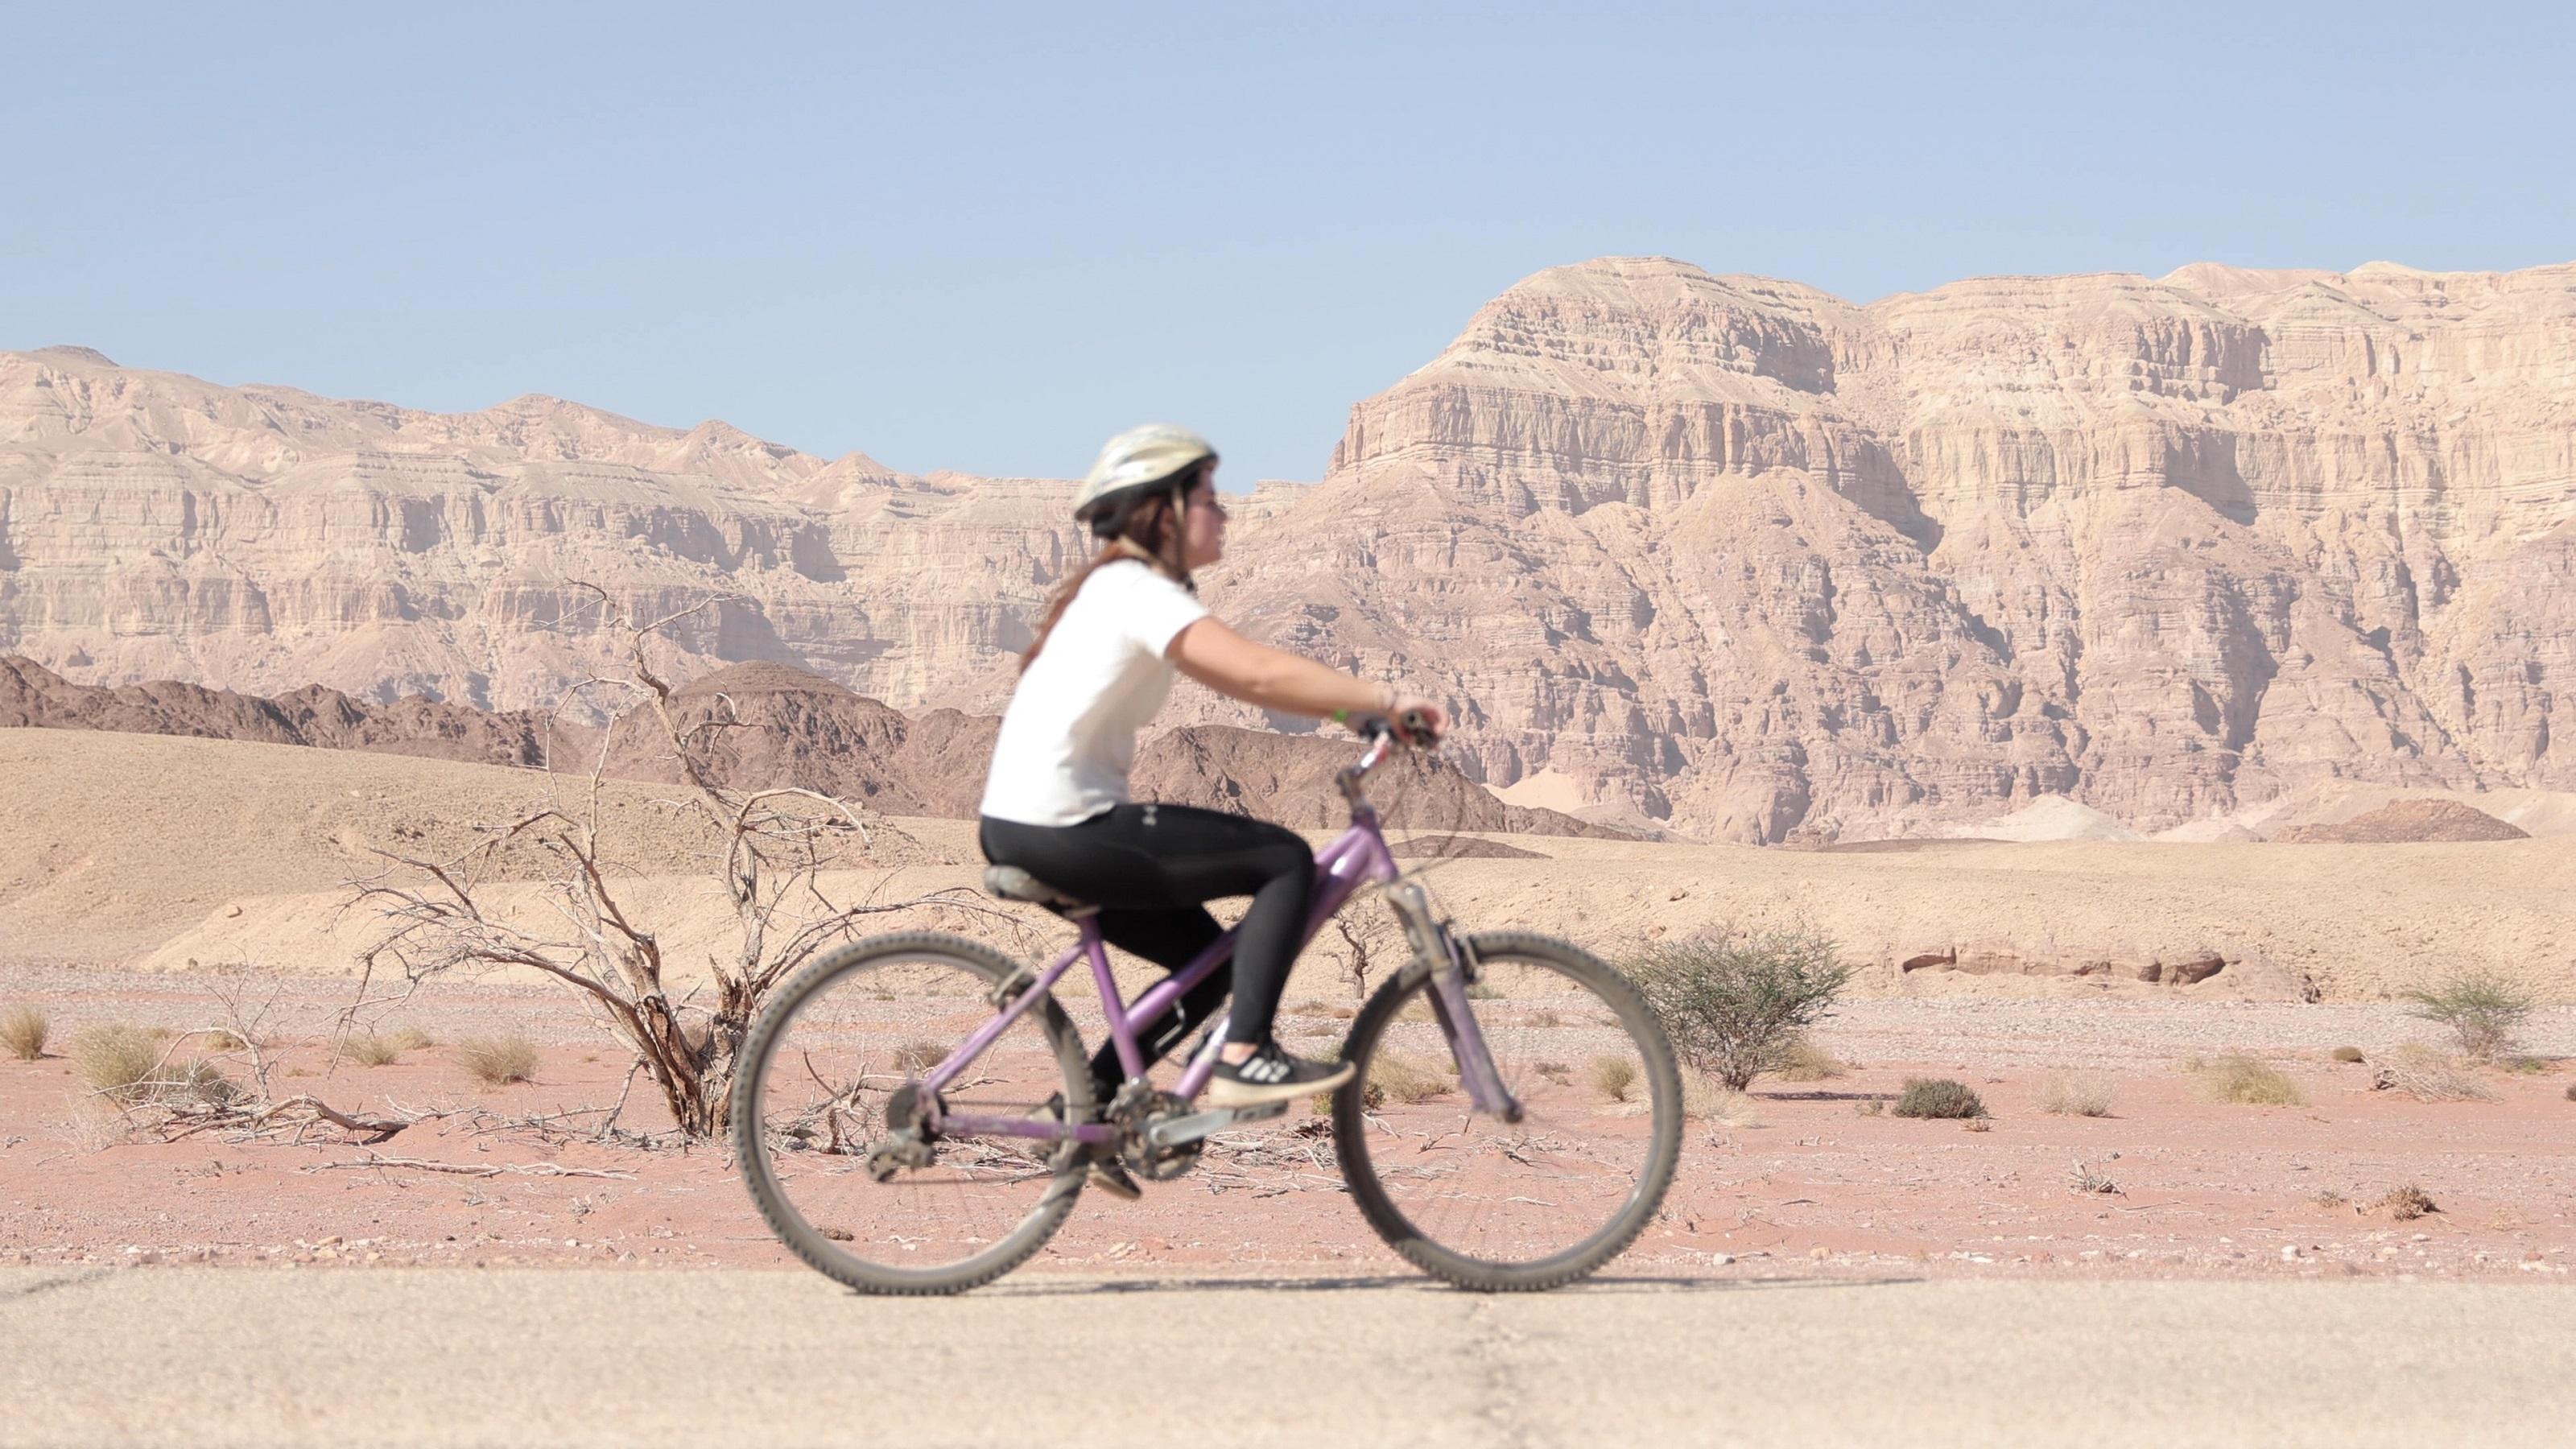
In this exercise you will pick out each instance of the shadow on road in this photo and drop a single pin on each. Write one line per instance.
(1408, 1282)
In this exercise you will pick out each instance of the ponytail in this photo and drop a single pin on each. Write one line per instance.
(1150, 533)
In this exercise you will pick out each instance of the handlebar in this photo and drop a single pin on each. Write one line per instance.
(1410, 728)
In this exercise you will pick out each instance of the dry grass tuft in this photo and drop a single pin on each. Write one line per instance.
(496, 1061)
(919, 1056)
(2330, 1199)
(2571, 1091)
(2349, 1055)
(115, 1059)
(1938, 1097)
(410, 1039)
(2407, 1203)
(2067, 1096)
(1706, 1099)
(1404, 1077)
(2429, 1076)
(2247, 1080)
(371, 1051)
(1613, 1077)
(125, 1065)
(23, 1031)
(1801, 1060)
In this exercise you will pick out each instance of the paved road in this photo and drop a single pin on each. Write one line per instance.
(202, 1357)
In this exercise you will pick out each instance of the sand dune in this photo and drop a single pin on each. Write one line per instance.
(132, 849)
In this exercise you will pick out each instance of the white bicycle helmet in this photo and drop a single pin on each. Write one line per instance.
(1133, 466)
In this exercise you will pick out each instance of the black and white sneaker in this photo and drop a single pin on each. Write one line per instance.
(1271, 1075)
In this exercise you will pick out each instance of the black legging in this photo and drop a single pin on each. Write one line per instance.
(1148, 867)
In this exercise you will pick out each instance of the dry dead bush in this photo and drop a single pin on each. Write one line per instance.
(1801, 1060)
(2063, 1095)
(2407, 1203)
(2348, 1055)
(23, 1031)
(2571, 1091)
(917, 1056)
(2429, 1076)
(1404, 1077)
(1613, 1077)
(371, 1051)
(2245, 1079)
(2330, 1199)
(496, 1061)
(775, 852)
(2085, 1179)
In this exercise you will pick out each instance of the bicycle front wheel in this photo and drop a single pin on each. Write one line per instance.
(1531, 1203)
(825, 1068)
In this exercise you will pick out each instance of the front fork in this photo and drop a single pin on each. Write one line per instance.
(1452, 968)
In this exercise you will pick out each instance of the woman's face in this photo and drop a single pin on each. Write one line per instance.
(1203, 535)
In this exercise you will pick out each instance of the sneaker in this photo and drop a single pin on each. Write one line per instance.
(1272, 1075)
(1104, 1171)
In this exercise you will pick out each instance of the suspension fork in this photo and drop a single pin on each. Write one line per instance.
(1452, 969)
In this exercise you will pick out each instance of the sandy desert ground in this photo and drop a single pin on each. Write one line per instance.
(141, 876)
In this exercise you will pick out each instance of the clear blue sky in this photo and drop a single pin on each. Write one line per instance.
(984, 237)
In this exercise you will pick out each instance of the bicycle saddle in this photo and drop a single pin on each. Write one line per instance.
(1010, 883)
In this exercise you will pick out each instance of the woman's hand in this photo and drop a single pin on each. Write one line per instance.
(1413, 706)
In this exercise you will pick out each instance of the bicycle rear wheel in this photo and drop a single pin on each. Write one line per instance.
(820, 1070)
(1494, 1205)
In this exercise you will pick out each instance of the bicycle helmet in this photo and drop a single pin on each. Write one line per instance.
(1134, 466)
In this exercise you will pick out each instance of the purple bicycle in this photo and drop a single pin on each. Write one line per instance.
(916, 1111)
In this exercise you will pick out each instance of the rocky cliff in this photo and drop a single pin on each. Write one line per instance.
(1759, 562)
(1719, 553)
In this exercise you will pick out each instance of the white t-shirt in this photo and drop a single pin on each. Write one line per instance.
(1069, 736)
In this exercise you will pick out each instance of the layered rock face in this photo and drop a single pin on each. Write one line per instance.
(1722, 554)
(153, 526)
(1747, 558)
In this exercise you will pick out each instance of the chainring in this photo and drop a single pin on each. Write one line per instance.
(1137, 1115)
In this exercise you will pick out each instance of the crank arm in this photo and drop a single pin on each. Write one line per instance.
(1202, 1124)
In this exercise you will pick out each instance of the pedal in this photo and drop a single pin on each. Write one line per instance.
(1199, 1125)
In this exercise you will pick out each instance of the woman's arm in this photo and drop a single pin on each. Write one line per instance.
(1234, 666)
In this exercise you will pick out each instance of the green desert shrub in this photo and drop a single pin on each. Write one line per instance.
(2484, 1012)
(1735, 1001)
(1938, 1097)
(23, 1032)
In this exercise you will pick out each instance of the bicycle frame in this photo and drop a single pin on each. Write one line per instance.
(1359, 858)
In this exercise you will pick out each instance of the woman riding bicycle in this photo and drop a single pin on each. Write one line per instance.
(1056, 806)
